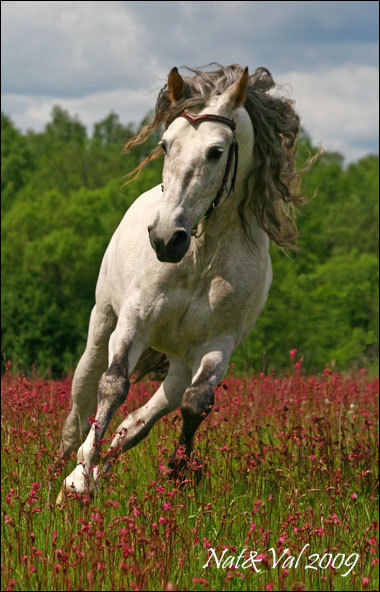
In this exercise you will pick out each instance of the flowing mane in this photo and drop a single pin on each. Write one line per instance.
(273, 186)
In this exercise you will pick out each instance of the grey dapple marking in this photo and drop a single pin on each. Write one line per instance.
(190, 288)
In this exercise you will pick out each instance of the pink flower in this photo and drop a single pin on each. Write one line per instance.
(354, 495)
(201, 581)
(166, 506)
(365, 582)
(12, 583)
(293, 353)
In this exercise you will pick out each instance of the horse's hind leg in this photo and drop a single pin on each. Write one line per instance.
(85, 382)
(198, 400)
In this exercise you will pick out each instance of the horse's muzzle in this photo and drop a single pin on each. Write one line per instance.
(173, 249)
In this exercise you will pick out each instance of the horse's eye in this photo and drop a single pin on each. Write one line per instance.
(214, 153)
(163, 145)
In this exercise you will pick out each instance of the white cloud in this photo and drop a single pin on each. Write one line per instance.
(72, 48)
(339, 107)
(97, 56)
(34, 112)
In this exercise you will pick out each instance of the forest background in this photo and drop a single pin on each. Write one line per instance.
(62, 199)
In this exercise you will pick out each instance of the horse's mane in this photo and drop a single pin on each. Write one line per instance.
(273, 187)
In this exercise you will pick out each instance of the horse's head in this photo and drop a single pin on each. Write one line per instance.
(200, 164)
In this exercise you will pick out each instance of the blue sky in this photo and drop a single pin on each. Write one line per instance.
(94, 57)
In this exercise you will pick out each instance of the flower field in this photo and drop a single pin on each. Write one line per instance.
(288, 499)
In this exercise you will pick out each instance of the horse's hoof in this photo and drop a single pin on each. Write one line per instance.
(79, 482)
(177, 467)
(181, 473)
(60, 497)
(84, 497)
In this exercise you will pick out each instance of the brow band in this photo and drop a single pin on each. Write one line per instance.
(208, 117)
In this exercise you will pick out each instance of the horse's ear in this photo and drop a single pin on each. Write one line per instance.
(234, 96)
(176, 86)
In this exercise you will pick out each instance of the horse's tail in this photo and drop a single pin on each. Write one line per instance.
(152, 363)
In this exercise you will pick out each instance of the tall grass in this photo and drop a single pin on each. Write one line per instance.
(289, 463)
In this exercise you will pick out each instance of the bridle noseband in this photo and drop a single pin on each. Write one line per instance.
(233, 155)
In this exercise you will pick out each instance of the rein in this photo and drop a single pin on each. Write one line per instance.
(233, 155)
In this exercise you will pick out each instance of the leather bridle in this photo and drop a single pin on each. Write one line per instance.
(233, 155)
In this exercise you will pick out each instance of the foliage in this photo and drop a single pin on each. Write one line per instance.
(17, 161)
(324, 299)
(63, 198)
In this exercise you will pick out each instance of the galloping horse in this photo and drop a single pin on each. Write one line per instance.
(187, 272)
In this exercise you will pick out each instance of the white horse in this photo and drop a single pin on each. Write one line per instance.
(187, 272)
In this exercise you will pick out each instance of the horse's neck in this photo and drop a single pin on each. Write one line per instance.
(223, 231)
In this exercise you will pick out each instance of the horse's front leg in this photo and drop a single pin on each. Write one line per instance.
(125, 350)
(93, 362)
(138, 423)
(198, 400)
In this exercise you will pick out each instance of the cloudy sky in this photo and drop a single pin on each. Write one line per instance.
(94, 57)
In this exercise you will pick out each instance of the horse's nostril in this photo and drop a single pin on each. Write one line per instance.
(149, 229)
(178, 240)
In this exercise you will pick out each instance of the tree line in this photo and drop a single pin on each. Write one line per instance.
(63, 197)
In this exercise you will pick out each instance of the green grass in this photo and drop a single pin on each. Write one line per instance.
(288, 462)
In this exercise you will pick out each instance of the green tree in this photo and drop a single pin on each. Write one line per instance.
(17, 162)
(110, 131)
(323, 300)
(64, 128)
(64, 197)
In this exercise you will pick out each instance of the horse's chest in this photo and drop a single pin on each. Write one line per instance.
(192, 315)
